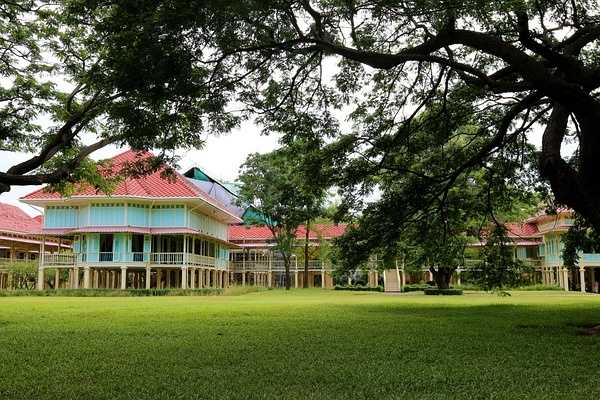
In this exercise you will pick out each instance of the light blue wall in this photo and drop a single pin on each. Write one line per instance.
(107, 214)
(61, 217)
(171, 215)
(133, 214)
(138, 214)
(121, 247)
(207, 225)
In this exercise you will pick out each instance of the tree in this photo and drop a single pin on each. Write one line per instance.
(436, 227)
(520, 64)
(71, 85)
(274, 185)
(499, 268)
(580, 238)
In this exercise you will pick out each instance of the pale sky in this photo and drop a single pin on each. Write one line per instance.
(221, 158)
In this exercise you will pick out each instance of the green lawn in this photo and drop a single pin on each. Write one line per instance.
(300, 345)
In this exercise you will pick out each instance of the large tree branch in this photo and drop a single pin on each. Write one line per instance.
(8, 179)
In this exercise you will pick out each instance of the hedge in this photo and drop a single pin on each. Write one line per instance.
(359, 288)
(112, 292)
(443, 292)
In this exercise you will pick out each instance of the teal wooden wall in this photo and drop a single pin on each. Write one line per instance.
(207, 225)
(107, 214)
(171, 215)
(61, 217)
(133, 214)
(138, 214)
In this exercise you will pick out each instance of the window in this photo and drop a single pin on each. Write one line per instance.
(106, 247)
(137, 247)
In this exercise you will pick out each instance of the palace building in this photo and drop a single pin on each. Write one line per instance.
(168, 230)
(20, 239)
(153, 231)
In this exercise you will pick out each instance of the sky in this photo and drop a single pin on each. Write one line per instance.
(221, 158)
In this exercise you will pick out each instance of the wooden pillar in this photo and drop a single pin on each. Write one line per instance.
(168, 281)
(322, 278)
(57, 278)
(582, 278)
(95, 278)
(40, 278)
(123, 278)
(184, 271)
(177, 278)
(159, 278)
(86, 277)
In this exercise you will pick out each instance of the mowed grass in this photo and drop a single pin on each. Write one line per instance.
(300, 345)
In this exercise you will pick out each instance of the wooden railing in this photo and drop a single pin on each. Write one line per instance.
(275, 265)
(137, 257)
(59, 259)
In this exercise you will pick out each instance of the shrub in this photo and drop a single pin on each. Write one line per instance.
(417, 287)
(359, 288)
(112, 292)
(443, 292)
(538, 286)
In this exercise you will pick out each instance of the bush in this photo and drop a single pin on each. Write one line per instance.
(112, 292)
(443, 292)
(417, 287)
(359, 288)
(538, 286)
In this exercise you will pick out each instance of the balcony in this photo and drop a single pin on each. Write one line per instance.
(589, 258)
(275, 265)
(142, 259)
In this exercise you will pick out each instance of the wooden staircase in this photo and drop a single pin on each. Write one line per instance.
(392, 280)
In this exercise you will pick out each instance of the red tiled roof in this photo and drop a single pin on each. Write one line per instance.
(262, 233)
(153, 185)
(13, 219)
(524, 230)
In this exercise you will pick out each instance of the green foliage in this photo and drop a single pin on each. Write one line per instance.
(443, 292)
(76, 79)
(111, 292)
(24, 274)
(359, 288)
(276, 185)
(499, 268)
(580, 238)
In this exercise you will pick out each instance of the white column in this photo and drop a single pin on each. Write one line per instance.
(192, 278)
(148, 277)
(322, 279)
(86, 277)
(40, 278)
(56, 278)
(184, 271)
(123, 278)
(296, 279)
(566, 279)
(582, 278)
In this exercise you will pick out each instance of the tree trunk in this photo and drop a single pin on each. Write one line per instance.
(286, 262)
(306, 237)
(442, 276)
